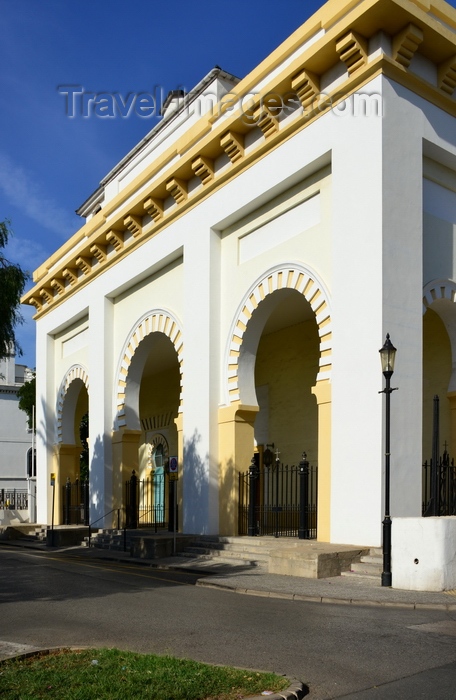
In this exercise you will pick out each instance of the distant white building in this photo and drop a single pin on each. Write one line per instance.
(17, 470)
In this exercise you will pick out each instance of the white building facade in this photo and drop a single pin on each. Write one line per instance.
(17, 468)
(238, 271)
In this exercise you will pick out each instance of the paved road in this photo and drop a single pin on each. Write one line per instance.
(339, 651)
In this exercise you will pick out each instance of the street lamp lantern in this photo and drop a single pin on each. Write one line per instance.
(387, 356)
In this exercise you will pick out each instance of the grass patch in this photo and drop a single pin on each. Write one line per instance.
(111, 674)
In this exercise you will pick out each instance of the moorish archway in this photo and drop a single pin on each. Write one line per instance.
(237, 418)
(149, 401)
(157, 321)
(67, 392)
(72, 405)
(293, 277)
(439, 363)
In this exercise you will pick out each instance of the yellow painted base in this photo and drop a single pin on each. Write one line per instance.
(235, 453)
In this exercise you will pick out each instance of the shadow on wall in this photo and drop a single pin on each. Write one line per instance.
(101, 484)
(210, 497)
(200, 486)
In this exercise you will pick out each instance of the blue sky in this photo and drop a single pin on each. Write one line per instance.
(50, 163)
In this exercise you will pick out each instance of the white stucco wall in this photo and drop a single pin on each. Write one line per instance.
(424, 553)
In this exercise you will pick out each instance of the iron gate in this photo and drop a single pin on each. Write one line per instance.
(150, 502)
(75, 499)
(439, 475)
(440, 481)
(279, 500)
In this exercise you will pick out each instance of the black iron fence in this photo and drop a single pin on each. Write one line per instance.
(15, 499)
(439, 475)
(439, 486)
(75, 501)
(150, 502)
(279, 500)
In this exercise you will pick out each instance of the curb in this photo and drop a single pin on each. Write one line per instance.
(207, 583)
(295, 691)
(448, 607)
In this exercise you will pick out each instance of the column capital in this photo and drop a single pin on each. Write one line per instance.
(322, 391)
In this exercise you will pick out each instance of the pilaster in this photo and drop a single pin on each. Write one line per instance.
(322, 392)
(236, 440)
(201, 380)
(100, 409)
(125, 459)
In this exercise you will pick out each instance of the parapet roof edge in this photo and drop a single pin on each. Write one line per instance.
(187, 100)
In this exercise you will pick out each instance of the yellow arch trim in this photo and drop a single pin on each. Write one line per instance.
(284, 277)
(75, 372)
(158, 321)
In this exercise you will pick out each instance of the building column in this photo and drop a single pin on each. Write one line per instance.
(46, 462)
(236, 442)
(322, 392)
(201, 380)
(100, 344)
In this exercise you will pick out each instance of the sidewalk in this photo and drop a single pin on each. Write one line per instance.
(256, 581)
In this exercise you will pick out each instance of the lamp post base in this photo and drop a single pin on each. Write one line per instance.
(387, 579)
(386, 573)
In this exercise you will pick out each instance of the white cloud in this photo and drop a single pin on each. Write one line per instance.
(22, 190)
(26, 253)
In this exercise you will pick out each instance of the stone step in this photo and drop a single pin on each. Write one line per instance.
(240, 555)
(361, 575)
(244, 541)
(366, 568)
(106, 542)
(220, 559)
(234, 548)
(370, 559)
(370, 566)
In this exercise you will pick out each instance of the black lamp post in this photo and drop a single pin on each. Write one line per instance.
(387, 356)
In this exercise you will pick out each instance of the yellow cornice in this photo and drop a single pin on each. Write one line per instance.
(195, 151)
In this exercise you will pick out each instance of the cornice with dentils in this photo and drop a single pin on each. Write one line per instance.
(424, 26)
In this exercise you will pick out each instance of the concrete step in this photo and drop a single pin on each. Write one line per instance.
(228, 555)
(106, 542)
(228, 549)
(244, 542)
(286, 556)
(369, 559)
(370, 566)
(361, 575)
(220, 559)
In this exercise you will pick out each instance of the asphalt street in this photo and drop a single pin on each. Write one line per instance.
(51, 599)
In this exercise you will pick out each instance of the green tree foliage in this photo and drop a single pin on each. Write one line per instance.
(12, 284)
(27, 399)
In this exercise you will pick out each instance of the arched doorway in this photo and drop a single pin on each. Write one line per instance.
(285, 371)
(71, 491)
(436, 381)
(278, 382)
(439, 398)
(439, 361)
(149, 418)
